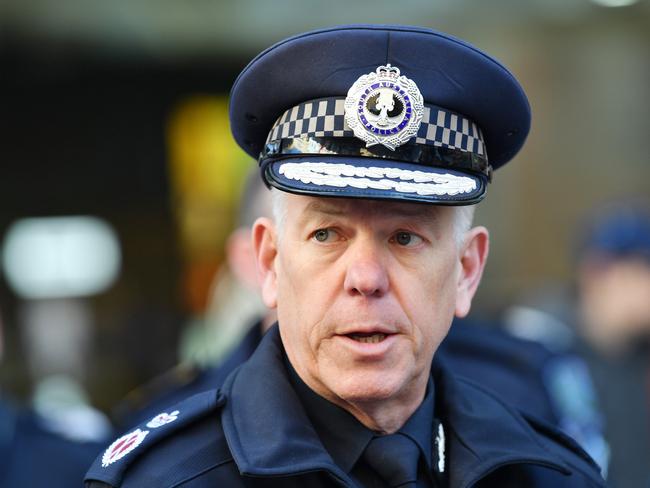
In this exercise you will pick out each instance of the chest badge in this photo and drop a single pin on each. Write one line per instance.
(122, 446)
(384, 108)
(440, 445)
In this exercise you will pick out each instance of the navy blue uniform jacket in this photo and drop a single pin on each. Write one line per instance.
(253, 432)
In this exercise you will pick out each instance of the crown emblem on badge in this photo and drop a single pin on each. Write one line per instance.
(388, 71)
(384, 108)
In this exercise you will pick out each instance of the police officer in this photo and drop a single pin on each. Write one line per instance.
(395, 123)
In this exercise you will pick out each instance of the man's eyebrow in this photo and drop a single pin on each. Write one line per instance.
(323, 208)
(413, 211)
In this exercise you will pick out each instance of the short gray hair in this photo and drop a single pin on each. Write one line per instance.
(463, 219)
(279, 208)
(463, 216)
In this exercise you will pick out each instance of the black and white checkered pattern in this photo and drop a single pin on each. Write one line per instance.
(443, 128)
(326, 118)
(317, 118)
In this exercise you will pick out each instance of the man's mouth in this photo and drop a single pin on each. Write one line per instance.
(369, 338)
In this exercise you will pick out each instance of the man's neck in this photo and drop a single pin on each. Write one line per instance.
(384, 416)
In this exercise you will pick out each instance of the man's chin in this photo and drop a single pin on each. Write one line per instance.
(366, 389)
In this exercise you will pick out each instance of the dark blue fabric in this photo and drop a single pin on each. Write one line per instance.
(419, 427)
(394, 458)
(257, 434)
(449, 73)
(512, 368)
(32, 456)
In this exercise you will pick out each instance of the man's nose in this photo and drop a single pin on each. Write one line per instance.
(366, 273)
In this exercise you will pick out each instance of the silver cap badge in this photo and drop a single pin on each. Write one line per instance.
(384, 108)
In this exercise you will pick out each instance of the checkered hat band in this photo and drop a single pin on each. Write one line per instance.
(326, 118)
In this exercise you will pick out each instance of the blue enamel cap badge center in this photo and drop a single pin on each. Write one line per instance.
(384, 108)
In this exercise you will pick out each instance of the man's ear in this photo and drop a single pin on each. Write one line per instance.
(265, 248)
(473, 255)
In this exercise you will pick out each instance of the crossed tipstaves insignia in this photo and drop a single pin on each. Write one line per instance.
(128, 442)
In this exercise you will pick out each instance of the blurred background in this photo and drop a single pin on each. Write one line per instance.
(119, 179)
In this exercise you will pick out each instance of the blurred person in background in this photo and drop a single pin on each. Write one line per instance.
(613, 322)
(235, 306)
(35, 451)
(607, 325)
(234, 323)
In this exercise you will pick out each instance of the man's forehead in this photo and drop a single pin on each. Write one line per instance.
(306, 206)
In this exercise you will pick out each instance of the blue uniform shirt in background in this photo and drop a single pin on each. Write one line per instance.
(31, 456)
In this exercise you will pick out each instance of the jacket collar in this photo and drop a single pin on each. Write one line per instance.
(482, 434)
(266, 427)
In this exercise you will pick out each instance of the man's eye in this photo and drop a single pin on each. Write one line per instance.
(407, 239)
(323, 235)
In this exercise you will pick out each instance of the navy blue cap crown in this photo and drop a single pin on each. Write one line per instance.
(386, 112)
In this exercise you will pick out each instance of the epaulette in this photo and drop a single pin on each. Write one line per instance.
(112, 464)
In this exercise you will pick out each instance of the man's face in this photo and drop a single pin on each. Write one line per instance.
(365, 292)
